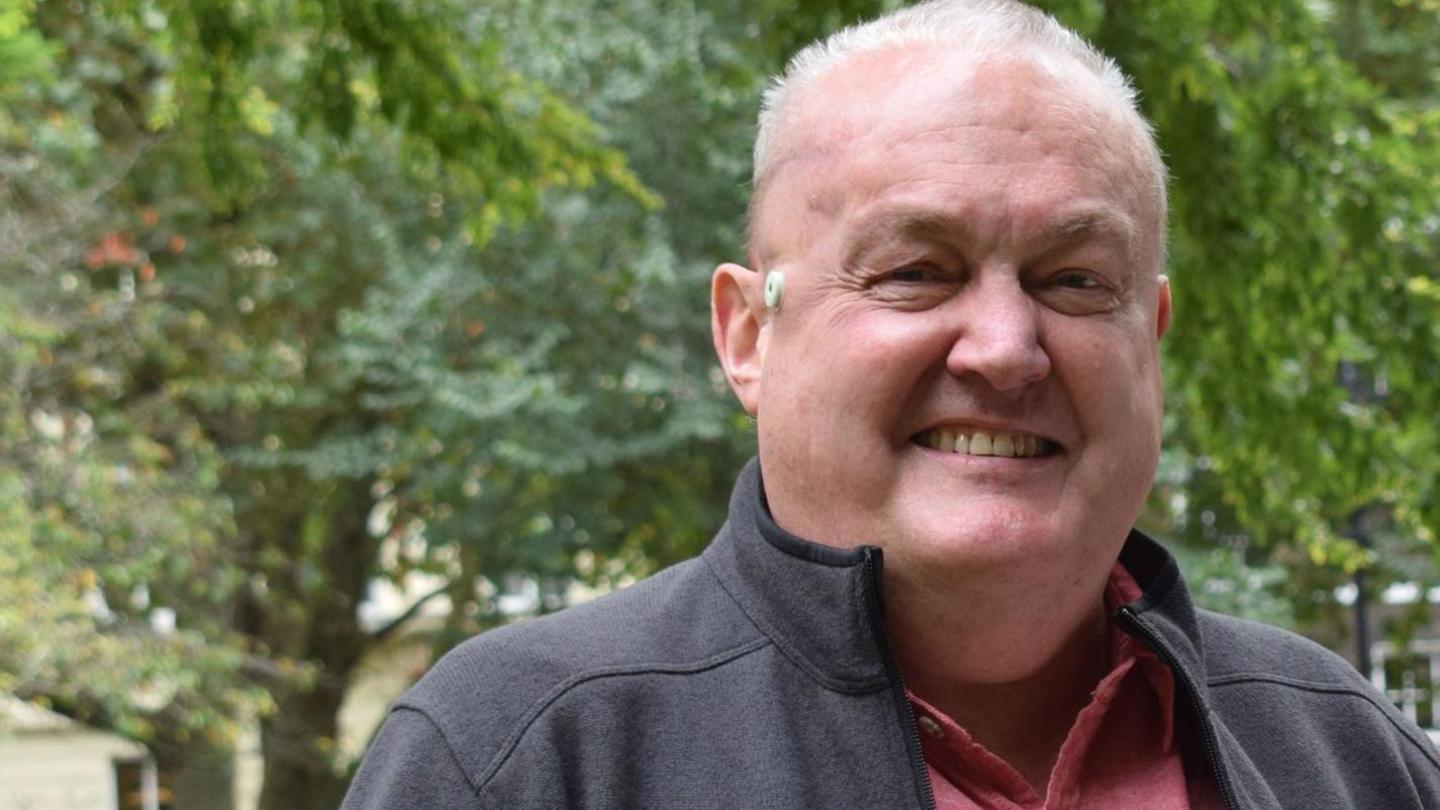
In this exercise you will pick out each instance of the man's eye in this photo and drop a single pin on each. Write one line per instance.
(913, 274)
(1075, 281)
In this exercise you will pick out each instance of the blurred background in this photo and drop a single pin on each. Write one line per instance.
(335, 331)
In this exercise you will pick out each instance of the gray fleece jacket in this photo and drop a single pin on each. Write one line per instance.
(759, 676)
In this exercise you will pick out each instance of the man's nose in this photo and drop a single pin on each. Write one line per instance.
(998, 336)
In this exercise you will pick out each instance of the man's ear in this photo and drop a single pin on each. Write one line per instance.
(1162, 313)
(739, 326)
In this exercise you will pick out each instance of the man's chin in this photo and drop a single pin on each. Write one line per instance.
(987, 539)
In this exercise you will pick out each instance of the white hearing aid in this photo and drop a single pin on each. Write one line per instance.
(774, 290)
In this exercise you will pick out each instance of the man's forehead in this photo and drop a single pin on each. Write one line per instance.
(886, 102)
(896, 87)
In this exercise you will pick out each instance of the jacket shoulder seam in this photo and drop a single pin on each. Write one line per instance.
(1241, 678)
(507, 748)
(824, 679)
(445, 741)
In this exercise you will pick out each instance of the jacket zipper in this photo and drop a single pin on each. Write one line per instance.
(892, 671)
(1187, 681)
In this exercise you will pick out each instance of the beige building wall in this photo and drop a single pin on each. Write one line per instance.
(48, 762)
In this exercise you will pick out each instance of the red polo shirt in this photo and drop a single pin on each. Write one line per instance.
(1119, 755)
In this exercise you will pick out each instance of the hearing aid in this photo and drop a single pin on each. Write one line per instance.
(774, 290)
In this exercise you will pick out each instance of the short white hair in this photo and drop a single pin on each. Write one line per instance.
(978, 28)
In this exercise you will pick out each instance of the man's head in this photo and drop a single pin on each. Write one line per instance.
(969, 213)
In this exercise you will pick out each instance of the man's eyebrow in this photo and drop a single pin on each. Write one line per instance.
(878, 225)
(1097, 222)
(1066, 229)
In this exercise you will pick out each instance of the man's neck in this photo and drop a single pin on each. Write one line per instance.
(1014, 680)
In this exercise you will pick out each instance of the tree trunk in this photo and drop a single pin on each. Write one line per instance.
(299, 739)
(201, 778)
(299, 745)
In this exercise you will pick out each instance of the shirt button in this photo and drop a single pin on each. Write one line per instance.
(931, 727)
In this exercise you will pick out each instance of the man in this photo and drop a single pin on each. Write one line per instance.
(947, 334)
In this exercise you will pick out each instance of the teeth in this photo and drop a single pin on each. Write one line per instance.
(1003, 445)
(982, 443)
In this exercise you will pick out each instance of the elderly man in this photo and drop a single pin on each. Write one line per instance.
(947, 334)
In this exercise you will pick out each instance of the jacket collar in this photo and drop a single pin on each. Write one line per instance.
(815, 602)
(822, 605)
(1164, 605)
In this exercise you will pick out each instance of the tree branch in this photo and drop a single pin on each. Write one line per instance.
(409, 613)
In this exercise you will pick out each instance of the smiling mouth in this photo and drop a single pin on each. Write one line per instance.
(972, 442)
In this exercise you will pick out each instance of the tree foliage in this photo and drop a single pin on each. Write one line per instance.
(1304, 244)
(192, 429)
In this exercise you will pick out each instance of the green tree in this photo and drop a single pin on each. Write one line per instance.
(230, 193)
(1303, 254)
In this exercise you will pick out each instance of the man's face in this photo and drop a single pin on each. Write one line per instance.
(968, 252)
